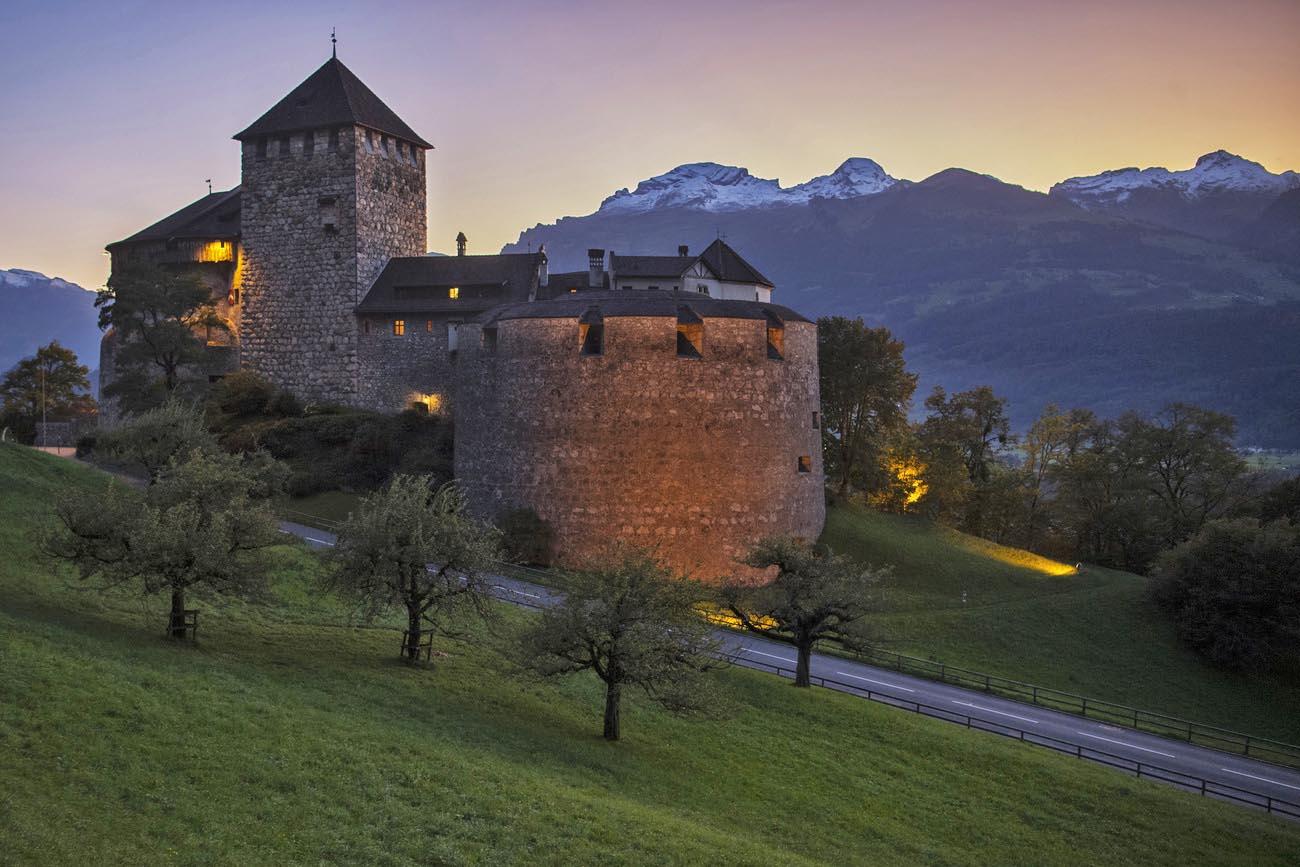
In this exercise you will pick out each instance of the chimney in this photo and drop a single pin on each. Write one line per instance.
(596, 268)
(461, 241)
(543, 267)
(683, 251)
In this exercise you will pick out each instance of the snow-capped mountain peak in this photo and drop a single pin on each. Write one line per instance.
(715, 187)
(1215, 172)
(21, 278)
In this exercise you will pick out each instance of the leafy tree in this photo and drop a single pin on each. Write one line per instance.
(203, 522)
(157, 316)
(865, 394)
(1234, 592)
(815, 595)
(51, 381)
(634, 624)
(155, 438)
(1052, 440)
(413, 546)
(967, 430)
(1191, 470)
(1280, 501)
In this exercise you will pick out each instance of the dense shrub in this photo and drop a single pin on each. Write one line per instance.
(243, 394)
(526, 537)
(1233, 591)
(285, 404)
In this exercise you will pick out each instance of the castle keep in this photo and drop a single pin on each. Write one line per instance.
(658, 400)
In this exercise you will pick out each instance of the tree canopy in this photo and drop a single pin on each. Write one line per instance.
(634, 624)
(816, 594)
(414, 546)
(51, 382)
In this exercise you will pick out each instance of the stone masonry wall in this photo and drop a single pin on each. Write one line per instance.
(303, 280)
(695, 458)
(394, 370)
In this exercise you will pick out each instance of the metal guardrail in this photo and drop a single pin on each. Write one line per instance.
(1151, 722)
(1139, 769)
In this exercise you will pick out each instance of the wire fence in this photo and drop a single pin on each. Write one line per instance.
(1140, 769)
(1151, 722)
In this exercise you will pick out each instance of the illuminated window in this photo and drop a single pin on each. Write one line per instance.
(591, 332)
(690, 333)
(399, 327)
(805, 463)
(775, 338)
(428, 326)
(453, 293)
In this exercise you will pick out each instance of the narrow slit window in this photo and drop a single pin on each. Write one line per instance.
(775, 338)
(816, 421)
(690, 333)
(399, 327)
(591, 333)
(365, 325)
(428, 326)
(805, 463)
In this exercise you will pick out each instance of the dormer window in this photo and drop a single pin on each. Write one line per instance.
(690, 333)
(591, 333)
(775, 337)
(702, 288)
(453, 293)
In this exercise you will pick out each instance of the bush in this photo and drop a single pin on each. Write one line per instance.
(86, 444)
(243, 394)
(1233, 591)
(527, 538)
(286, 405)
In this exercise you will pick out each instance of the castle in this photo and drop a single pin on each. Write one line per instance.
(657, 400)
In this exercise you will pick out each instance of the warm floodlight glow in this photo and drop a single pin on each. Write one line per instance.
(216, 251)
(429, 402)
(1016, 557)
(907, 475)
(453, 293)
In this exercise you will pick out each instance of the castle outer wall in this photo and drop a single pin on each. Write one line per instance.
(693, 458)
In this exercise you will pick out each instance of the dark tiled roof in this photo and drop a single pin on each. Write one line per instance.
(417, 284)
(728, 265)
(651, 266)
(639, 303)
(331, 96)
(214, 216)
(559, 283)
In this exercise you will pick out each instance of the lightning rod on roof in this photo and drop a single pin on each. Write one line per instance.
(209, 183)
(334, 44)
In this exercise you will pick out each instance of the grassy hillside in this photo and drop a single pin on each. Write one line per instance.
(278, 741)
(1091, 633)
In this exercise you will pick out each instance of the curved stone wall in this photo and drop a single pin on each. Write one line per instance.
(695, 458)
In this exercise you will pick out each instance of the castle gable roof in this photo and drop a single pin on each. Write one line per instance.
(331, 96)
(730, 266)
(639, 303)
(419, 284)
(215, 216)
(651, 266)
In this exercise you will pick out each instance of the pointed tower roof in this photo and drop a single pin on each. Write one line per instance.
(331, 96)
(728, 265)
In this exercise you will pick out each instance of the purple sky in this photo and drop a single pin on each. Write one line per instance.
(115, 113)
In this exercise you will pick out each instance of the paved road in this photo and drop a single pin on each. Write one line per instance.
(1185, 763)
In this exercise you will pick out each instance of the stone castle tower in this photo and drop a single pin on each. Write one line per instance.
(333, 186)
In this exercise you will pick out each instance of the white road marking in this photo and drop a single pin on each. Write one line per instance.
(998, 712)
(1261, 779)
(761, 653)
(318, 541)
(1126, 744)
(869, 680)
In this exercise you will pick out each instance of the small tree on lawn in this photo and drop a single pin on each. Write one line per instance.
(634, 624)
(154, 439)
(414, 546)
(203, 522)
(814, 595)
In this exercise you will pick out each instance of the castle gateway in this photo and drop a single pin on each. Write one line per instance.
(659, 400)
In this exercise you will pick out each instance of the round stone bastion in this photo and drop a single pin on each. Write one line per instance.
(682, 424)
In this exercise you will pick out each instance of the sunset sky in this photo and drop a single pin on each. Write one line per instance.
(115, 113)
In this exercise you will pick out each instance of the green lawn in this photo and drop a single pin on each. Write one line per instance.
(279, 739)
(1091, 633)
(287, 737)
